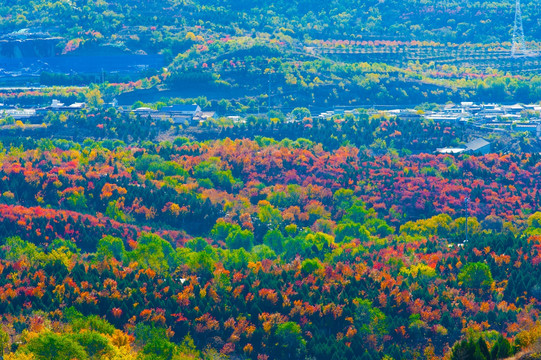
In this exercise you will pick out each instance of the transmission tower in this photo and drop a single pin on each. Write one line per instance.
(519, 45)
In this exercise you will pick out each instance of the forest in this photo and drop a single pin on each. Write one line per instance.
(271, 234)
(288, 54)
(454, 21)
(266, 249)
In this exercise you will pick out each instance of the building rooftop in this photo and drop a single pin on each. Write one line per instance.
(144, 109)
(477, 144)
(181, 108)
(450, 150)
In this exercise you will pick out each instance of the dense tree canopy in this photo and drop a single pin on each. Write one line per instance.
(265, 248)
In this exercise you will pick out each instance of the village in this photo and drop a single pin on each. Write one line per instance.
(486, 117)
(482, 119)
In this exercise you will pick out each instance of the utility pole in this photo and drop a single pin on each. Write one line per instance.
(467, 203)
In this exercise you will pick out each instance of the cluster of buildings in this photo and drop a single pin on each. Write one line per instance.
(179, 114)
(33, 113)
(492, 117)
(482, 117)
(488, 118)
(338, 111)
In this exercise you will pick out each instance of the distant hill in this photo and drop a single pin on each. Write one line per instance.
(303, 51)
(432, 20)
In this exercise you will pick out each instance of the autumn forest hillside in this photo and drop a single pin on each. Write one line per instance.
(455, 21)
(263, 231)
(294, 53)
(265, 249)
